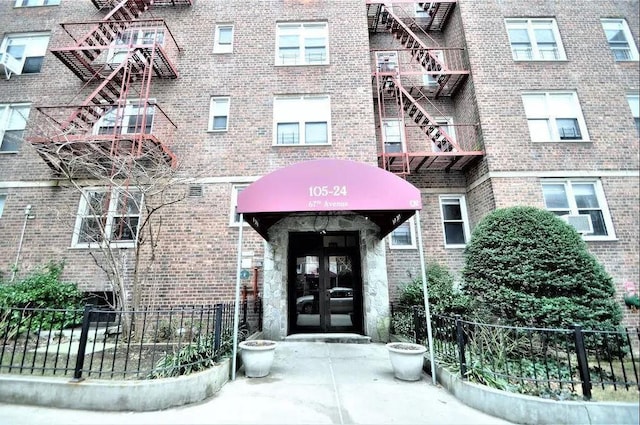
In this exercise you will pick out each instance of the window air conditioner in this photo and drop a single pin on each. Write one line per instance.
(10, 65)
(581, 222)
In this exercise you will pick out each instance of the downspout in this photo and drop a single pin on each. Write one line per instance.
(27, 216)
(425, 290)
(236, 311)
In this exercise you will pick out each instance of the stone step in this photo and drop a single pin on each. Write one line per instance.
(344, 338)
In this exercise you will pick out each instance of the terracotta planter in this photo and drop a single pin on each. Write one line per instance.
(257, 357)
(406, 359)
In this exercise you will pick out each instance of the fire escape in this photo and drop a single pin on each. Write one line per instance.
(412, 82)
(116, 58)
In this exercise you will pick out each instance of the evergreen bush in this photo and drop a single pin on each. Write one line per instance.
(527, 267)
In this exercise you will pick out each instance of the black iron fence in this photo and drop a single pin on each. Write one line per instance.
(103, 344)
(558, 363)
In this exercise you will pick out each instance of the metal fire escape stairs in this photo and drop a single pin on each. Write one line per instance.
(137, 64)
(445, 153)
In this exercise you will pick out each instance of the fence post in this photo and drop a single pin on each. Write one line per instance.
(583, 364)
(82, 347)
(217, 326)
(416, 322)
(460, 340)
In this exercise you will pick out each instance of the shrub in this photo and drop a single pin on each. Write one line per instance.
(444, 297)
(527, 267)
(42, 289)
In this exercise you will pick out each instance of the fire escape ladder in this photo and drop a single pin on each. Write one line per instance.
(426, 122)
(419, 50)
(113, 25)
(373, 16)
(101, 100)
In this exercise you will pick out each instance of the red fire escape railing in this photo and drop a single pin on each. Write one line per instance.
(117, 58)
(413, 132)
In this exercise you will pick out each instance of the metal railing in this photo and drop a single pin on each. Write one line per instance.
(108, 344)
(535, 361)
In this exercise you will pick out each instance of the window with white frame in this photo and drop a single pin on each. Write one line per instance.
(23, 53)
(403, 236)
(29, 3)
(634, 104)
(13, 120)
(235, 216)
(223, 39)
(219, 113)
(302, 120)
(554, 116)
(446, 125)
(620, 39)
(3, 199)
(535, 39)
(432, 80)
(393, 134)
(455, 223)
(135, 117)
(139, 37)
(108, 217)
(302, 43)
(580, 197)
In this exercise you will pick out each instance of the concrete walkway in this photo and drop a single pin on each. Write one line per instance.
(310, 383)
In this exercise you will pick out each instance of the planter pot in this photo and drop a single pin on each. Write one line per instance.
(257, 357)
(407, 360)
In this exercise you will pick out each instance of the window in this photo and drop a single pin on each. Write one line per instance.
(120, 47)
(23, 53)
(28, 3)
(302, 120)
(432, 80)
(620, 40)
(304, 43)
(393, 135)
(554, 116)
(223, 39)
(454, 220)
(387, 61)
(235, 217)
(403, 237)
(3, 199)
(535, 39)
(579, 197)
(108, 217)
(135, 118)
(219, 114)
(634, 104)
(445, 125)
(13, 120)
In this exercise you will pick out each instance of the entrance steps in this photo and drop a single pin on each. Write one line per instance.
(344, 338)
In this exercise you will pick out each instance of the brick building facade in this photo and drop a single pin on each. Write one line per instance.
(501, 103)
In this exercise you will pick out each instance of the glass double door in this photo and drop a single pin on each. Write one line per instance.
(325, 285)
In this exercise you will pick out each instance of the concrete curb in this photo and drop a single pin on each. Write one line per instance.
(140, 396)
(523, 409)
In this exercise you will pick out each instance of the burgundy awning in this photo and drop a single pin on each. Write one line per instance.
(329, 185)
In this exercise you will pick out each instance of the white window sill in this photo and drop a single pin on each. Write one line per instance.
(563, 141)
(463, 246)
(218, 131)
(625, 60)
(301, 144)
(94, 246)
(540, 60)
(600, 239)
(302, 64)
(8, 152)
(402, 247)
